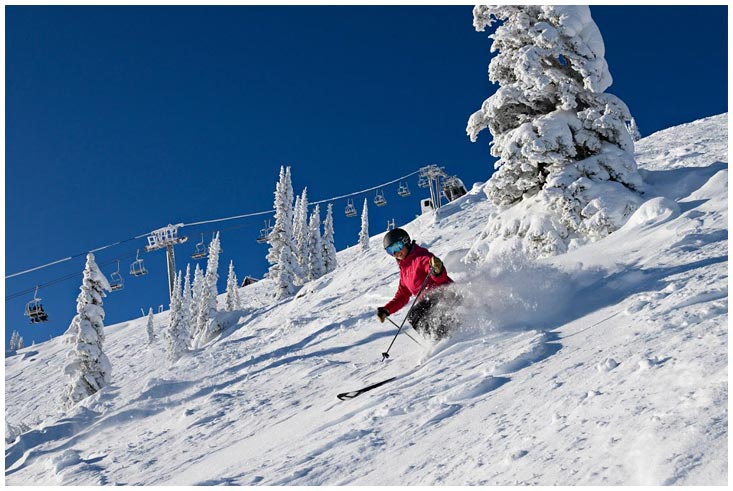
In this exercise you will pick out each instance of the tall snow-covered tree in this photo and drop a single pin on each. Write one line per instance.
(329, 249)
(151, 326)
(561, 140)
(316, 267)
(364, 233)
(282, 230)
(301, 236)
(197, 288)
(176, 335)
(88, 369)
(283, 263)
(188, 309)
(232, 297)
(206, 324)
(634, 130)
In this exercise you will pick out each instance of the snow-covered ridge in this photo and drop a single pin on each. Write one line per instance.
(606, 365)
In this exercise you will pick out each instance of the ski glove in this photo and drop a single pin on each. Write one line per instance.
(436, 266)
(382, 314)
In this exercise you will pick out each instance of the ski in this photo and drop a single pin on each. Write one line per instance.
(350, 395)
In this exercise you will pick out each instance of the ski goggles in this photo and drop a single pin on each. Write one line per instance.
(395, 247)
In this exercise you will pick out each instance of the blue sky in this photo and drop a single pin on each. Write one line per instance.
(120, 120)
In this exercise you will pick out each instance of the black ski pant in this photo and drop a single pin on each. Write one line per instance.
(428, 316)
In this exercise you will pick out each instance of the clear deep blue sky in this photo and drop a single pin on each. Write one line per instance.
(120, 120)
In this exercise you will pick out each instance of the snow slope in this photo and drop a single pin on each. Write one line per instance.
(604, 366)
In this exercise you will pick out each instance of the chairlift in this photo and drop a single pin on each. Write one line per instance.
(265, 233)
(117, 282)
(403, 190)
(137, 268)
(350, 209)
(423, 182)
(34, 310)
(379, 199)
(200, 251)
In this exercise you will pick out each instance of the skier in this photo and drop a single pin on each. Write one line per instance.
(415, 264)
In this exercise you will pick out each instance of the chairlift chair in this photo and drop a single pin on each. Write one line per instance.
(34, 310)
(403, 190)
(379, 199)
(116, 281)
(200, 251)
(137, 268)
(423, 182)
(350, 209)
(265, 233)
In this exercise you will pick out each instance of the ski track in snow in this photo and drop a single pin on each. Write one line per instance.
(604, 366)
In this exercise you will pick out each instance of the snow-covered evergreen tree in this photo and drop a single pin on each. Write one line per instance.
(364, 233)
(561, 140)
(88, 368)
(316, 268)
(187, 302)
(634, 130)
(301, 237)
(283, 263)
(206, 324)
(176, 335)
(196, 289)
(16, 341)
(151, 326)
(232, 297)
(284, 278)
(297, 223)
(329, 249)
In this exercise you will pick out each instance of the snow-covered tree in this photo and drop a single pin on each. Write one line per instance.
(561, 140)
(151, 326)
(16, 341)
(188, 308)
(88, 368)
(197, 288)
(206, 324)
(634, 130)
(284, 278)
(176, 335)
(301, 236)
(232, 297)
(316, 268)
(329, 249)
(283, 263)
(282, 230)
(364, 233)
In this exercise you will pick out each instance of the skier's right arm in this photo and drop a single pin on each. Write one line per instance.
(400, 299)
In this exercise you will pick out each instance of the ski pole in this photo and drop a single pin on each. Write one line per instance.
(407, 333)
(385, 355)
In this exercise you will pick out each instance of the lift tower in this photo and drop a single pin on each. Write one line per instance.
(167, 237)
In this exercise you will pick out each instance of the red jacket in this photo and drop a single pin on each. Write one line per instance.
(413, 270)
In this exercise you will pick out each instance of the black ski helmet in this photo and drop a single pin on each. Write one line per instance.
(394, 235)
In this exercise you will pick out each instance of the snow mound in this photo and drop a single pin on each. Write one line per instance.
(654, 212)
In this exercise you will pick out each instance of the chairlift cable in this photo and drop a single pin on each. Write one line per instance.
(60, 279)
(74, 256)
(269, 212)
